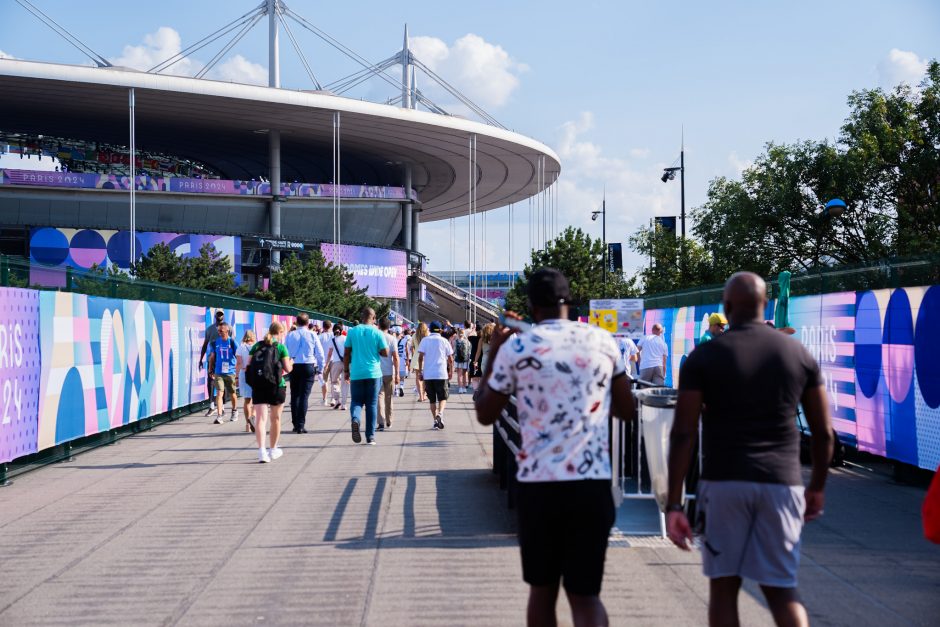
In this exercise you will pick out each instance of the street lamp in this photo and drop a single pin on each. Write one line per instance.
(669, 174)
(603, 213)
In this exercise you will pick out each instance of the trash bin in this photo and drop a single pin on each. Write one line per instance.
(657, 411)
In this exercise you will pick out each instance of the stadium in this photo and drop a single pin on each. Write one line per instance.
(259, 172)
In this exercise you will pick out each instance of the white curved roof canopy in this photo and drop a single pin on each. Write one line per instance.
(218, 123)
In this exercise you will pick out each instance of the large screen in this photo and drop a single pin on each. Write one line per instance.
(384, 272)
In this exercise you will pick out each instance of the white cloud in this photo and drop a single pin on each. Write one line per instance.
(901, 66)
(157, 47)
(737, 164)
(484, 72)
(634, 195)
(4, 55)
(639, 153)
(238, 69)
(165, 42)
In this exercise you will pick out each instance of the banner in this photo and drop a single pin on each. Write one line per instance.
(19, 372)
(623, 316)
(52, 249)
(383, 272)
(614, 257)
(177, 184)
(878, 354)
(666, 223)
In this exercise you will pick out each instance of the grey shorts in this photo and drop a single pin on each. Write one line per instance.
(751, 530)
(654, 375)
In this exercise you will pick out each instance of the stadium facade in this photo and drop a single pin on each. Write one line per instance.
(259, 171)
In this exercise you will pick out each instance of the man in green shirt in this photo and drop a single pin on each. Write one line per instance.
(716, 326)
(365, 344)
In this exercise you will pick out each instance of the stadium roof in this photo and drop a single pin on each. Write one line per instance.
(224, 125)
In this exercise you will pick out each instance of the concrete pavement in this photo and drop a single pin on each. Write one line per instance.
(181, 525)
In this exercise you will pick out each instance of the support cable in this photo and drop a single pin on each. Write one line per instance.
(300, 53)
(344, 85)
(221, 53)
(77, 43)
(352, 54)
(205, 41)
(470, 224)
(456, 93)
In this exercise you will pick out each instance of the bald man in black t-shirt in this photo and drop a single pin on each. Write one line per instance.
(747, 385)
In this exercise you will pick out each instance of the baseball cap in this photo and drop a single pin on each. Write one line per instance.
(435, 326)
(219, 313)
(717, 318)
(548, 287)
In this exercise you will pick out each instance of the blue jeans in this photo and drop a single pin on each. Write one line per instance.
(365, 392)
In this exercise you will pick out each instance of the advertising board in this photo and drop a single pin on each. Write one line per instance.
(383, 272)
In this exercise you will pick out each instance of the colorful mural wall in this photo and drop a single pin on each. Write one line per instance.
(879, 352)
(51, 250)
(73, 365)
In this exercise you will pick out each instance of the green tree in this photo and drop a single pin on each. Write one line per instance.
(581, 259)
(884, 165)
(161, 265)
(211, 271)
(665, 273)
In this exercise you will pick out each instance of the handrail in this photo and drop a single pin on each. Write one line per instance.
(457, 292)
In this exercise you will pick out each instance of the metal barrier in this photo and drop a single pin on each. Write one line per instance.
(630, 470)
(507, 438)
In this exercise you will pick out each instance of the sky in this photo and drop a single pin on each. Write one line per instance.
(612, 87)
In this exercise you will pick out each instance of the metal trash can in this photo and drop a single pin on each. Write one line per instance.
(657, 411)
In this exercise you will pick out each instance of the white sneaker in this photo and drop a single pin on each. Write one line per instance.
(234, 417)
(218, 420)
(263, 456)
(275, 453)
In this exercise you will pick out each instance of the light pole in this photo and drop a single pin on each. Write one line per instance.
(603, 213)
(668, 175)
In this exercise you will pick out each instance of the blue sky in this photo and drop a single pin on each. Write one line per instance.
(608, 85)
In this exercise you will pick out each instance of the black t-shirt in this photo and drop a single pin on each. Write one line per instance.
(751, 378)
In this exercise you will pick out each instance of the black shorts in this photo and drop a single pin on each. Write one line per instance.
(266, 397)
(436, 389)
(563, 532)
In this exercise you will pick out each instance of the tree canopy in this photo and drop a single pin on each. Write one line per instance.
(885, 165)
(319, 285)
(581, 259)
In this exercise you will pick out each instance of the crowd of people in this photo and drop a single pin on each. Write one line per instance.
(743, 384)
(360, 369)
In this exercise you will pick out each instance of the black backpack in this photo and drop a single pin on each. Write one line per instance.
(264, 371)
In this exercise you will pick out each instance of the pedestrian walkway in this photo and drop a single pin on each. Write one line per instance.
(181, 525)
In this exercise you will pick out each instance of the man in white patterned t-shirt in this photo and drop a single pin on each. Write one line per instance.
(567, 377)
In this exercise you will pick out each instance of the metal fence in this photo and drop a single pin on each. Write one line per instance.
(16, 272)
(887, 273)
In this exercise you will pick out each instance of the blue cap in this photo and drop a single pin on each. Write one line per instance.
(435, 326)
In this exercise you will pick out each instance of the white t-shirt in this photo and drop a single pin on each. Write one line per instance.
(627, 350)
(436, 350)
(339, 350)
(652, 350)
(560, 372)
(242, 351)
(325, 342)
(388, 366)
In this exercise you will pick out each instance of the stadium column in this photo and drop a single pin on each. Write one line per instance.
(407, 211)
(274, 150)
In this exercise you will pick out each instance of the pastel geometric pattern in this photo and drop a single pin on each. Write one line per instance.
(19, 372)
(879, 354)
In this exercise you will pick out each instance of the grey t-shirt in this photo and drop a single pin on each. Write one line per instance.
(751, 378)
